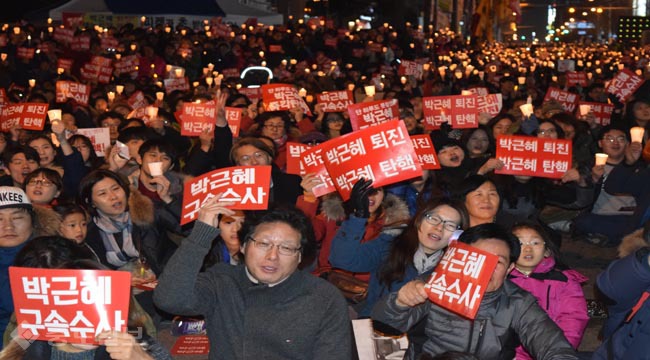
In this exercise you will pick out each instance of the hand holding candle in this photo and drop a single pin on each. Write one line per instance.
(636, 133)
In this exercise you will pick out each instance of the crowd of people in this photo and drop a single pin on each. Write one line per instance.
(265, 280)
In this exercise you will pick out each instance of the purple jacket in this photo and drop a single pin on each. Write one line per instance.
(559, 293)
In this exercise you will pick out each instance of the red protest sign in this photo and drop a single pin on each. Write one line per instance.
(30, 116)
(181, 84)
(460, 111)
(25, 53)
(576, 78)
(531, 156)
(80, 43)
(65, 64)
(294, 151)
(490, 104)
(127, 65)
(195, 117)
(567, 99)
(624, 84)
(282, 97)
(191, 345)
(246, 186)
(385, 149)
(423, 147)
(479, 90)
(335, 101)
(68, 89)
(69, 305)
(233, 117)
(312, 162)
(460, 279)
(370, 113)
(602, 112)
(63, 35)
(137, 100)
(408, 67)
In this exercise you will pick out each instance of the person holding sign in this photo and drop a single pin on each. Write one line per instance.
(505, 313)
(265, 308)
(54, 252)
(394, 261)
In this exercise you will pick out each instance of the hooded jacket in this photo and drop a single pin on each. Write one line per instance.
(333, 217)
(559, 293)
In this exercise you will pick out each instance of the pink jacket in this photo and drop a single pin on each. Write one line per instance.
(559, 293)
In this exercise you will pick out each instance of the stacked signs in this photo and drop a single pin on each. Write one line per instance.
(282, 97)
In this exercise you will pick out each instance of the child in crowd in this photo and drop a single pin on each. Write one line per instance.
(556, 287)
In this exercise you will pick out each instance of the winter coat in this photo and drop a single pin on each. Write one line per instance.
(631, 243)
(331, 222)
(626, 282)
(504, 315)
(148, 234)
(560, 294)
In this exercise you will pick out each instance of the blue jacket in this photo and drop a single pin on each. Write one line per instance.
(624, 282)
(348, 253)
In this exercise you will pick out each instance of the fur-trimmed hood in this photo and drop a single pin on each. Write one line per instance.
(46, 221)
(631, 243)
(396, 211)
(141, 209)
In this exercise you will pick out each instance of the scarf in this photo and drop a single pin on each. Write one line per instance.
(62, 355)
(424, 262)
(115, 255)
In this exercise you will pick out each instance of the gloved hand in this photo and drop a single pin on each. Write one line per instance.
(359, 202)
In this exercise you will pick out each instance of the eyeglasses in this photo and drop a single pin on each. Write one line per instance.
(546, 131)
(618, 139)
(436, 220)
(41, 182)
(258, 155)
(274, 127)
(267, 246)
(534, 243)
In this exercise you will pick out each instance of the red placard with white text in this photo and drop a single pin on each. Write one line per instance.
(532, 156)
(460, 279)
(479, 90)
(407, 67)
(312, 162)
(127, 65)
(282, 97)
(30, 116)
(191, 345)
(254, 94)
(181, 84)
(137, 100)
(335, 101)
(365, 114)
(233, 117)
(25, 53)
(382, 153)
(624, 84)
(65, 64)
(423, 147)
(576, 78)
(460, 111)
(294, 151)
(490, 104)
(69, 305)
(568, 100)
(601, 111)
(195, 117)
(74, 90)
(247, 186)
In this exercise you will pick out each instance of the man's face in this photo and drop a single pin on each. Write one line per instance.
(504, 266)
(112, 124)
(15, 226)
(19, 167)
(273, 128)
(154, 155)
(249, 155)
(613, 144)
(270, 266)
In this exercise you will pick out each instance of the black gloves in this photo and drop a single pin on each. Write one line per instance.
(359, 198)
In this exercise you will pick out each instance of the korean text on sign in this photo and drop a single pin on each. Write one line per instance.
(311, 162)
(197, 117)
(294, 153)
(282, 97)
(383, 153)
(624, 84)
(246, 186)
(426, 152)
(531, 156)
(335, 101)
(568, 100)
(459, 281)
(69, 305)
(30, 116)
(371, 113)
(460, 111)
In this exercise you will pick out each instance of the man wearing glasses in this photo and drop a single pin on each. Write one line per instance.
(265, 308)
(610, 217)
